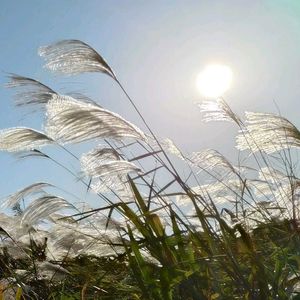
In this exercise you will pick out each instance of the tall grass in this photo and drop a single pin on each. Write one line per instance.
(224, 231)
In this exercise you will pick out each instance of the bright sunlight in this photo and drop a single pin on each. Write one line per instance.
(214, 80)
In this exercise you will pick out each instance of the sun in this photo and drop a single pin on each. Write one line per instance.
(214, 80)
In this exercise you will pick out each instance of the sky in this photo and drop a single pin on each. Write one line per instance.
(157, 49)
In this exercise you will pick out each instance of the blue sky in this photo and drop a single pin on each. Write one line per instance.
(157, 49)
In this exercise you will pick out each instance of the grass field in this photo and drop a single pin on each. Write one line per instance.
(171, 225)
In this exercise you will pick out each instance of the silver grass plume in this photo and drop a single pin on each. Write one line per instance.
(286, 190)
(105, 161)
(41, 208)
(111, 167)
(34, 93)
(268, 133)
(81, 97)
(270, 183)
(169, 146)
(107, 170)
(261, 188)
(99, 154)
(218, 189)
(10, 225)
(61, 218)
(210, 159)
(221, 192)
(50, 271)
(37, 235)
(79, 239)
(101, 221)
(70, 120)
(47, 266)
(271, 175)
(218, 110)
(118, 183)
(22, 139)
(74, 57)
(15, 198)
(30, 91)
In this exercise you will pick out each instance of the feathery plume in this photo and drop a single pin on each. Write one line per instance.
(218, 110)
(105, 165)
(83, 239)
(50, 271)
(221, 192)
(74, 57)
(15, 198)
(108, 171)
(271, 175)
(169, 146)
(30, 91)
(104, 161)
(22, 139)
(229, 187)
(41, 208)
(81, 97)
(70, 120)
(99, 155)
(111, 167)
(113, 182)
(268, 133)
(210, 159)
(261, 188)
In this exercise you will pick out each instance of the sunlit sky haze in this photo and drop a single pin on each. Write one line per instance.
(214, 80)
(157, 49)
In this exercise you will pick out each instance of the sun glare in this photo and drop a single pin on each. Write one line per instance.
(214, 80)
